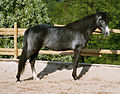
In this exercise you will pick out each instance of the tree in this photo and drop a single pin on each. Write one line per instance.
(25, 12)
(71, 10)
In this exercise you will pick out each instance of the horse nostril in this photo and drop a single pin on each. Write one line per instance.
(107, 34)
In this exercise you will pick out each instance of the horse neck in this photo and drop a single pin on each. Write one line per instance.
(83, 25)
(90, 23)
(87, 27)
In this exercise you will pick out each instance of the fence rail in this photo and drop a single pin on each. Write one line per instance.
(20, 31)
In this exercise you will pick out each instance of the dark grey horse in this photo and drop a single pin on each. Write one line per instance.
(72, 36)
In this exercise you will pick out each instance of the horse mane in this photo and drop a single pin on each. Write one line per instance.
(85, 21)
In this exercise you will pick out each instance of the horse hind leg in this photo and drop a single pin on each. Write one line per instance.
(32, 63)
(26, 54)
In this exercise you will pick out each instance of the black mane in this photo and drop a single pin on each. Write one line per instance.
(82, 22)
(86, 21)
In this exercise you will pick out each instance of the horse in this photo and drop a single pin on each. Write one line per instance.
(73, 36)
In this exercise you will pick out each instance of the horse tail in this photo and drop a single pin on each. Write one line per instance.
(23, 58)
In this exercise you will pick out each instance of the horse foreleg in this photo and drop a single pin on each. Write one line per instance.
(75, 64)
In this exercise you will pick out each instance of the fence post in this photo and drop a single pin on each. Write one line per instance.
(15, 40)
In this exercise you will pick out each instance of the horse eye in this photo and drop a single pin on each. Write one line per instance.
(102, 21)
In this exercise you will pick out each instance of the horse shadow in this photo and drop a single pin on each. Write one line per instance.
(51, 68)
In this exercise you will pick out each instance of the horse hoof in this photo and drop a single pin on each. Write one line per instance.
(74, 77)
(18, 81)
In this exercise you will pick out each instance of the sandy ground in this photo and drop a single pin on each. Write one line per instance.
(57, 79)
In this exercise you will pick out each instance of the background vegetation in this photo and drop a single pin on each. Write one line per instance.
(31, 12)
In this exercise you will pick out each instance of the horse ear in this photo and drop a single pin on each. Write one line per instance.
(104, 15)
(101, 13)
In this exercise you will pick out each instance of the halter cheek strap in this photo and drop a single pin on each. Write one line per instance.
(98, 18)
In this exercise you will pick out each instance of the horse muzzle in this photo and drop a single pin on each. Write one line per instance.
(107, 32)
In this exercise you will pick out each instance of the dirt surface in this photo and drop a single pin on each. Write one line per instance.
(57, 79)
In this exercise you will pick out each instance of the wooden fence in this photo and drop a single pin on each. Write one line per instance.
(17, 52)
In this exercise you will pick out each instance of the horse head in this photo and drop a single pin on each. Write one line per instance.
(102, 23)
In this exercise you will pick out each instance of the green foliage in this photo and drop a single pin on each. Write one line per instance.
(25, 12)
(71, 10)
(99, 42)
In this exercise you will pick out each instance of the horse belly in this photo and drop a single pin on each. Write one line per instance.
(57, 46)
(58, 40)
